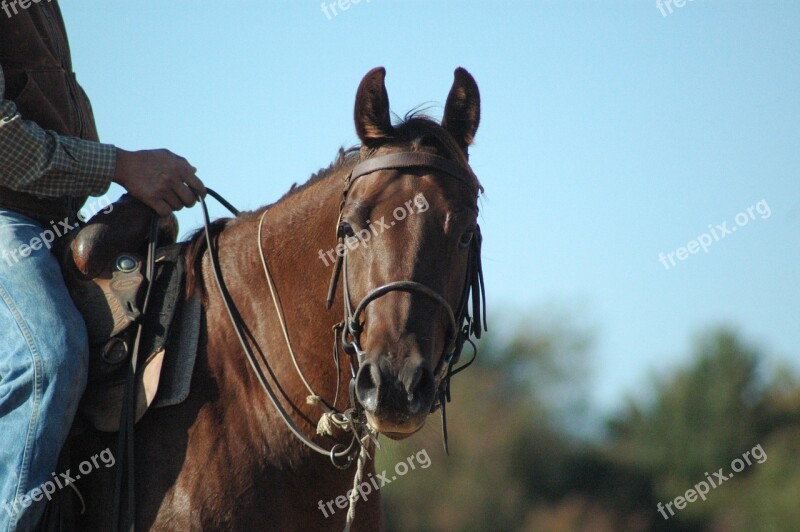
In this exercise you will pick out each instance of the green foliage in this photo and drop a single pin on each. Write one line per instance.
(701, 419)
(768, 498)
(701, 416)
(518, 463)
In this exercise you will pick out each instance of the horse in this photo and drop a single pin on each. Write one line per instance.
(391, 228)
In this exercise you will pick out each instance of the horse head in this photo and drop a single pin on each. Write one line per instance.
(409, 223)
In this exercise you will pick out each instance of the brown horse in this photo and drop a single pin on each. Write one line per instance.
(225, 459)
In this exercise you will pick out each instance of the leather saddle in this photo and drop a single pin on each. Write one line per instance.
(103, 266)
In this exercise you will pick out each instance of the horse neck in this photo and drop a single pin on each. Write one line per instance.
(294, 230)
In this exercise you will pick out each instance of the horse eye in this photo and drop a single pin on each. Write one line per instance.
(346, 230)
(465, 239)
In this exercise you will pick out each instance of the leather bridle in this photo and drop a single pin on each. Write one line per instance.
(461, 326)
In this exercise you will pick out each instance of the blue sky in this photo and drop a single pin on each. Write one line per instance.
(610, 133)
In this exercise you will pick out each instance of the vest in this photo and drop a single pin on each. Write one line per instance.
(35, 57)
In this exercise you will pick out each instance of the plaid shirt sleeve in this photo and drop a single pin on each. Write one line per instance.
(45, 163)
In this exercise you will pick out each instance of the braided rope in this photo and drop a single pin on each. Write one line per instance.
(363, 458)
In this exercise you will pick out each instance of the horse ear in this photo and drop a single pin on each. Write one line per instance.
(373, 124)
(462, 112)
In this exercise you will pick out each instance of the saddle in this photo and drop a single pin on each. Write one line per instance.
(103, 266)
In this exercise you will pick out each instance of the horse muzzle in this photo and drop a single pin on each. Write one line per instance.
(396, 403)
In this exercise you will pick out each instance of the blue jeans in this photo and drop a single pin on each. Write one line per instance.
(43, 368)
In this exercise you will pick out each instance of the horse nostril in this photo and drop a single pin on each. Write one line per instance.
(368, 381)
(411, 391)
(420, 390)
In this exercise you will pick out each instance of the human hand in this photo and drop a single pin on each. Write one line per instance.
(163, 181)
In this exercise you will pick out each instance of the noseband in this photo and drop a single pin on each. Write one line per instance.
(460, 324)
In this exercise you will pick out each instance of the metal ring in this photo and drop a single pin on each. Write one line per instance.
(349, 347)
(340, 420)
(345, 450)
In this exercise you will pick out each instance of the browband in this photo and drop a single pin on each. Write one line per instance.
(403, 160)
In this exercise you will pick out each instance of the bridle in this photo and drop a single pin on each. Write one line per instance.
(461, 325)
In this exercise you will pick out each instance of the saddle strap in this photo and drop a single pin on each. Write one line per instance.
(126, 520)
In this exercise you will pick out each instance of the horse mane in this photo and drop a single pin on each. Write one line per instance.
(416, 129)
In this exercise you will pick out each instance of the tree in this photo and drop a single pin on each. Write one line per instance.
(703, 418)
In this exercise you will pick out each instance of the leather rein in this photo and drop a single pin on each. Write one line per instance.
(461, 324)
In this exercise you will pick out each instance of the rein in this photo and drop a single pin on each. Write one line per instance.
(340, 455)
(462, 325)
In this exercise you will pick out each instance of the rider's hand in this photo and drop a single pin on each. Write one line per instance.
(160, 179)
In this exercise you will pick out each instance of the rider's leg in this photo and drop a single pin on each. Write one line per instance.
(43, 369)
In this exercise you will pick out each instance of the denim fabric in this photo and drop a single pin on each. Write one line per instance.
(43, 367)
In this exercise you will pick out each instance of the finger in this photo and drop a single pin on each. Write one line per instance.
(161, 207)
(174, 202)
(194, 183)
(185, 194)
(187, 164)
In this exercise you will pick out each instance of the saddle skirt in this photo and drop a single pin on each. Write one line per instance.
(107, 286)
(168, 349)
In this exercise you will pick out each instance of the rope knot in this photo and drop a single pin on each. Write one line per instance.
(314, 400)
(325, 425)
